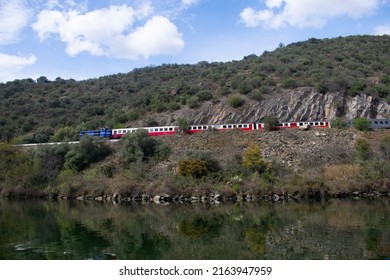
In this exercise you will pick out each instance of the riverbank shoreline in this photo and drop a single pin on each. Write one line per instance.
(212, 197)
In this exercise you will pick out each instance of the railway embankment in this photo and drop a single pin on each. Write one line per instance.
(213, 167)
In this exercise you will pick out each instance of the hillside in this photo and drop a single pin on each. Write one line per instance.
(315, 79)
(334, 162)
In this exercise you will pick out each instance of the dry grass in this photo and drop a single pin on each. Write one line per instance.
(342, 176)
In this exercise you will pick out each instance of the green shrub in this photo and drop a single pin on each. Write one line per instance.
(289, 83)
(256, 95)
(236, 101)
(204, 95)
(363, 150)
(382, 90)
(193, 167)
(139, 147)
(361, 124)
(183, 124)
(193, 102)
(356, 88)
(212, 164)
(384, 148)
(270, 122)
(322, 88)
(75, 160)
(88, 151)
(244, 87)
(338, 123)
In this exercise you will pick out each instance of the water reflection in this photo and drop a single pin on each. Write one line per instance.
(91, 230)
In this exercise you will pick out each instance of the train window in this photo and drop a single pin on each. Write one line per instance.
(234, 126)
(199, 127)
(321, 123)
(386, 122)
(161, 129)
(165, 129)
(316, 123)
(381, 122)
(171, 128)
(376, 122)
(239, 126)
(300, 124)
(224, 126)
(229, 126)
(310, 123)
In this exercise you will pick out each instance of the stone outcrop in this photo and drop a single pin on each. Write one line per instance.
(299, 105)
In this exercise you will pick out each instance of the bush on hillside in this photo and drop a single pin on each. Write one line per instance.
(361, 124)
(236, 101)
(139, 146)
(338, 123)
(270, 122)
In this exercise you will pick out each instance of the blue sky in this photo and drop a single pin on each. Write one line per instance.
(83, 39)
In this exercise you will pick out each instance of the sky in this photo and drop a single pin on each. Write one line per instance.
(83, 39)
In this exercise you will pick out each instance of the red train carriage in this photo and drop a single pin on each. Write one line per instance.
(200, 128)
(283, 125)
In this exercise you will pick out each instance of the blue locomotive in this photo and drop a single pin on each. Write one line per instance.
(103, 132)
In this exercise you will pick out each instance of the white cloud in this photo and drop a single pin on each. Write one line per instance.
(383, 29)
(14, 16)
(157, 36)
(10, 65)
(189, 2)
(273, 3)
(306, 13)
(111, 31)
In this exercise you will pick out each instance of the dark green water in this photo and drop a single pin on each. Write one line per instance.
(84, 230)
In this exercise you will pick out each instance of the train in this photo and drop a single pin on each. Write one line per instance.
(118, 133)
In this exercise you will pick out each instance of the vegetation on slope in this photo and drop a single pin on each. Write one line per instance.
(43, 110)
(231, 163)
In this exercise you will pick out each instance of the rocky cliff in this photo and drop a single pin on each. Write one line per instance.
(301, 104)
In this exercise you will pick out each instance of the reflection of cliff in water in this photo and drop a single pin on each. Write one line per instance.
(88, 230)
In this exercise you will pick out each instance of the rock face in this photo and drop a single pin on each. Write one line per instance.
(301, 104)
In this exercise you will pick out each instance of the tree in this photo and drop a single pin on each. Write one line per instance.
(270, 122)
(88, 151)
(43, 80)
(139, 147)
(193, 167)
(183, 124)
(253, 159)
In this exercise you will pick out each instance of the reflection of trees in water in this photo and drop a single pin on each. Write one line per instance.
(150, 246)
(256, 237)
(337, 229)
(199, 227)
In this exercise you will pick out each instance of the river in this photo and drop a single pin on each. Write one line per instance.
(78, 230)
